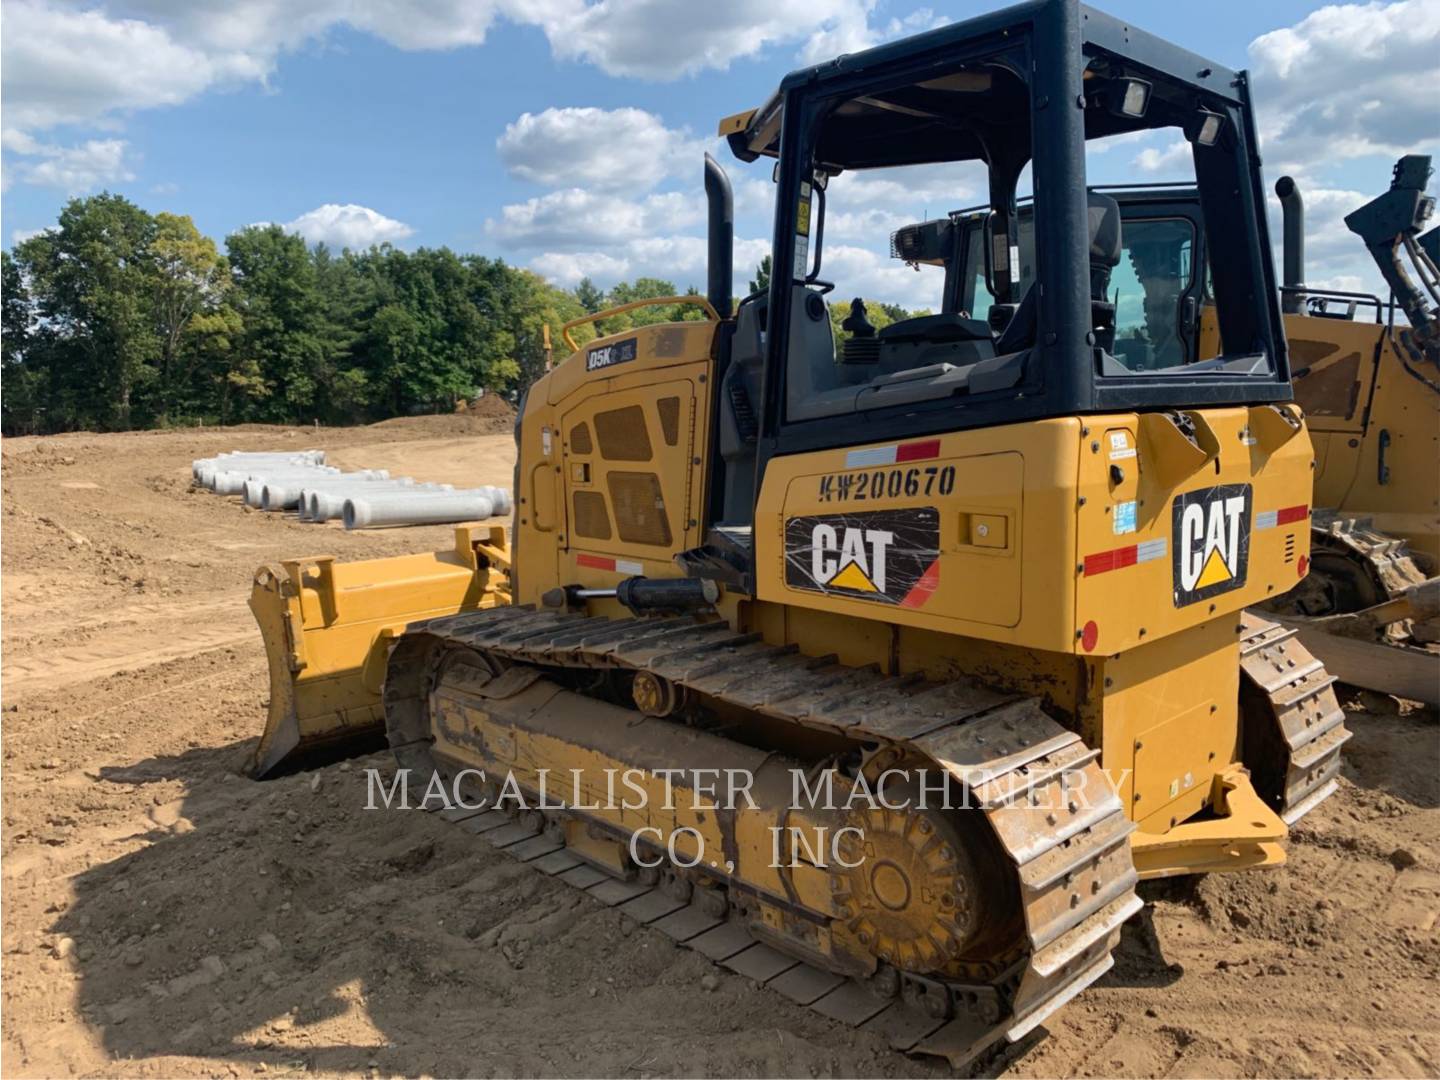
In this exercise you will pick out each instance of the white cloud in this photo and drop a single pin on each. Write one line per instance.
(19, 236)
(62, 66)
(909, 192)
(1110, 142)
(678, 259)
(606, 149)
(863, 271)
(71, 169)
(268, 26)
(1347, 80)
(349, 226)
(668, 39)
(566, 268)
(851, 31)
(1175, 158)
(577, 219)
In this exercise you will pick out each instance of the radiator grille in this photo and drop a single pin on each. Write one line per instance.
(639, 508)
(580, 439)
(670, 419)
(622, 434)
(592, 520)
(1289, 547)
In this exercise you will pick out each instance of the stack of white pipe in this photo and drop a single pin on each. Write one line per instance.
(204, 470)
(411, 507)
(300, 480)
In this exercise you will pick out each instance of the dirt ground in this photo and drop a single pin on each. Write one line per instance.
(164, 915)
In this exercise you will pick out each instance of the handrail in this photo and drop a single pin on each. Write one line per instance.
(654, 301)
(1337, 294)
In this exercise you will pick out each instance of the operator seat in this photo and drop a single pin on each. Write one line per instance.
(1103, 214)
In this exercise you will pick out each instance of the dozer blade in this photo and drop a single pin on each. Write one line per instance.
(327, 628)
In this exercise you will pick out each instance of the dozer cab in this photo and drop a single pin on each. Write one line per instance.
(1369, 606)
(1005, 567)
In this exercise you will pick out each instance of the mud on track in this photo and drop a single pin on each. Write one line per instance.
(222, 927)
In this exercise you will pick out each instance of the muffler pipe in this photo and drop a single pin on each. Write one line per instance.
(1292, 211)
(720, 269)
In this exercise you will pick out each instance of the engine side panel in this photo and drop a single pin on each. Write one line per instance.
(611, 475)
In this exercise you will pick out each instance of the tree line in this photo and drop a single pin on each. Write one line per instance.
(116, 318)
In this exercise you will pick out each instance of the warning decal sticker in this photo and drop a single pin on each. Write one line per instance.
(887, 556)
(1211, 530)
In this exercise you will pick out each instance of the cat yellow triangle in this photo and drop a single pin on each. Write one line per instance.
(1215, 571)
(852, 577)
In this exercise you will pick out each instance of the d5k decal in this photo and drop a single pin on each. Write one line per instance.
(889, 556)
(1211, 530)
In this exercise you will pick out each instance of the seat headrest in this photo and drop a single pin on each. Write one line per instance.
(1104, 216)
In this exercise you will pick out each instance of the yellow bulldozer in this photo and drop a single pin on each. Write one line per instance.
(1370, 387)
(983, 586)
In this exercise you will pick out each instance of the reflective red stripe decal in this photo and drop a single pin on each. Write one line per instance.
(1291, 513)
(595, 562)
(917, 451)
(1104, 561)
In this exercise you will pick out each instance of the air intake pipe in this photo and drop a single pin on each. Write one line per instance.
(1292, 210)
(720, 271)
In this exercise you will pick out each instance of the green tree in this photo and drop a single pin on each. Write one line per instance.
(191, 278)
(590, 297)
(92, 278)
(761, 281)
(287, 335)
(231, 381)
(24, 383)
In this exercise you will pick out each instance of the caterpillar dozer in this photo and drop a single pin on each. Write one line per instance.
(1007, 567)
(1370, 604)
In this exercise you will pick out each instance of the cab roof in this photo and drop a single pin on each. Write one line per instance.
(943, 118)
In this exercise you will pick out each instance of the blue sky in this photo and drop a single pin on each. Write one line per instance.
(565, 135)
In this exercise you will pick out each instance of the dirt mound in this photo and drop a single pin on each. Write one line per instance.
(489, 415)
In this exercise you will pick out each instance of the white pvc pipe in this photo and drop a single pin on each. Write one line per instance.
(282, 493)
(500, 501)
(204, 468)
(253, 488)
(416, 508)
(233, 482)
(312, 488)
(324, 501)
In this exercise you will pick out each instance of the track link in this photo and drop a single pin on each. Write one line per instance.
(1386, 560)
(1071, 861)
(1295, 698)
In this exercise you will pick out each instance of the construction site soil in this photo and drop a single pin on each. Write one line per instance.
(164, 915)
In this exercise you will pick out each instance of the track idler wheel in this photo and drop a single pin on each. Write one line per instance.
(915, 898)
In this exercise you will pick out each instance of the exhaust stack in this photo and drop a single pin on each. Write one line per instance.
(1292, 208)
(721, 269)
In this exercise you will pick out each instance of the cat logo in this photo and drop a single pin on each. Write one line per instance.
(855, 560)
(888, 556)
(1211, 530)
